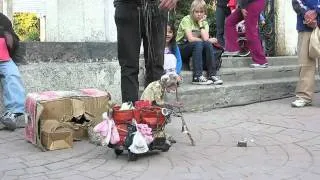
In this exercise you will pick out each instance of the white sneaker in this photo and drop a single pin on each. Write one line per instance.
(201, 80)
(229, 53)
(300, 102)
(265, 65)
(216, 80)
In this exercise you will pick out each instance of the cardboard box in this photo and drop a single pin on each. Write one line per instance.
(68, 107)
(54, 136)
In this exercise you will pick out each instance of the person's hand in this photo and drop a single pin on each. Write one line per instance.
(310, 16)
(200, 22)
(313, 24)
(179, 78)
(168, 4)
(263, 23)
(244, 12)
(213, 40)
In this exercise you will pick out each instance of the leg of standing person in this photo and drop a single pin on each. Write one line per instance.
(251, 23)
(231, 34)
(13, 93)
(221, 14)
(306, 84)
(154, 30)
(129, 41)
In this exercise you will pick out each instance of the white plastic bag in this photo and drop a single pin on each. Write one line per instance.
(139, 144)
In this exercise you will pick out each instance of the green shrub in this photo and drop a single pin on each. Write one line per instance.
(27, 26)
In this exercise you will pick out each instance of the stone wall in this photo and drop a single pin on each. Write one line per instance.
(67, 66)
(80, 21)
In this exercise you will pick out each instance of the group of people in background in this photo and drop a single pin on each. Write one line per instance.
(147, 20)
(192, 42)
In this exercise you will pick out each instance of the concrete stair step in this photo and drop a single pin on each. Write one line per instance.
(207, 97)
(246, 73)
(233, 62)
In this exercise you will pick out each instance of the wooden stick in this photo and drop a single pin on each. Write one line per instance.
(184, 128)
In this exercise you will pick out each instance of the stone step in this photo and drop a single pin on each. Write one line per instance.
(208, 97)
(233, 62)
(246, 73)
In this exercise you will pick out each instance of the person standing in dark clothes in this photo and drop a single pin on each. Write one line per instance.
(222, 11)
(136, 20)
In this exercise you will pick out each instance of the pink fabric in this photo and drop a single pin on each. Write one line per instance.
(108, 130)
(4, 53)
(146, 132)
(251, 25)
(93, 92)
(29, 133)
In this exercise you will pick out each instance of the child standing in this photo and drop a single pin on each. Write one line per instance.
(172, 57)
(13, 90)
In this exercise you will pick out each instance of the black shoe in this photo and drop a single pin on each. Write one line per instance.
(216, 80)
(201, 80)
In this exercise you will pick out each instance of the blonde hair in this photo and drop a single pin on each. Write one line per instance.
(198, 4)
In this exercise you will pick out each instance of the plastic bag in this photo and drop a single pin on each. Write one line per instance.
(139, 144)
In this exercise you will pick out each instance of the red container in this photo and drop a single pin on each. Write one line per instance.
(152, 116)
(122, 116)
(141, 104)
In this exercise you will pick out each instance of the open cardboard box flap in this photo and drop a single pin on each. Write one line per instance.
(79, 110)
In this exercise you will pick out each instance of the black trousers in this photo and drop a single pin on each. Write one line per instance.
(135, 22)
(221, 15)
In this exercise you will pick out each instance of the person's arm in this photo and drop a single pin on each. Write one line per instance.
(186, 26)
(299, 7)
(168, 4)
(179, 60)
(204, 30)
(190, 36)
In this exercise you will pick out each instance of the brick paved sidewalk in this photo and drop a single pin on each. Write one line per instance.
(283, 143)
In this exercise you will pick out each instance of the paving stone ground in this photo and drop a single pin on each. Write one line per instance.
(283, 143)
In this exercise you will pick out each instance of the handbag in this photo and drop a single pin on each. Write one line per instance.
(314, 45)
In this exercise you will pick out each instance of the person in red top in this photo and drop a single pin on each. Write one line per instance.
(13, 90)
(232, 5)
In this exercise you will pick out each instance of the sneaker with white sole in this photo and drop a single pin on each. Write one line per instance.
(216, 80)
(230, 53)
(300, 102)
(9, 120)
(201, 80)
(265, 65)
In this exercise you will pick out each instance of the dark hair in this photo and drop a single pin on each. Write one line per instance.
(172, 43)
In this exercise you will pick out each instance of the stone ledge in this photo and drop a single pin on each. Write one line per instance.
(205, 98)
(35, 52)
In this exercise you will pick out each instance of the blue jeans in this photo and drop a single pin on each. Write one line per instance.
(13, 90)
(202, 53)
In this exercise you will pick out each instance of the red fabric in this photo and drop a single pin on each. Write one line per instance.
(232, 4)
(4, 53)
